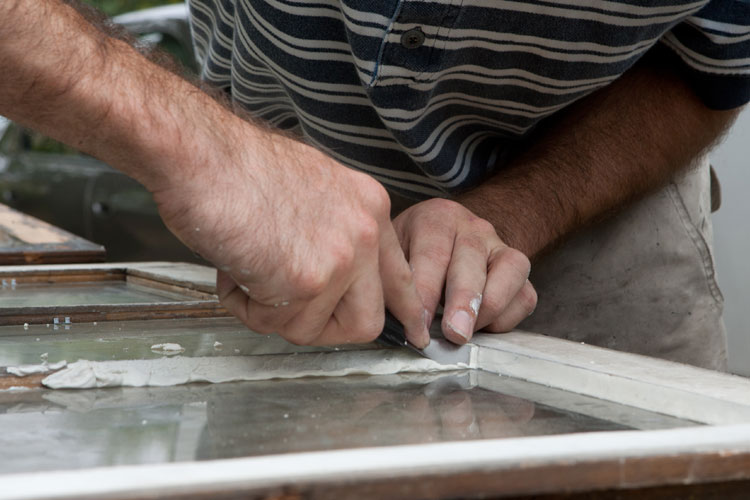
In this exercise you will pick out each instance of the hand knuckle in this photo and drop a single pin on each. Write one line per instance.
(530, 298)
(484, 227)
(343, 257)
(443, 205)
(368, 232)
(309, 283)
(403, 276)
(518, 259)
(374, 195)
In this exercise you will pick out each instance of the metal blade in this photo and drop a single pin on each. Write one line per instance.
(440, 350)
(447, 353)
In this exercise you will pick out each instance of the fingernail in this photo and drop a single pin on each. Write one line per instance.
(462, 323)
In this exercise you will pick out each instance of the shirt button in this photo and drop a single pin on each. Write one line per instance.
(412, 39)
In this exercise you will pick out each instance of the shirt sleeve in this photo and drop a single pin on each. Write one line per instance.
(714, 48)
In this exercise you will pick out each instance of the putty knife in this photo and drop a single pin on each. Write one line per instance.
(440, 350)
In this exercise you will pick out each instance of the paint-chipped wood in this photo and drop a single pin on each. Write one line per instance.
(7, 381)
(190, 282)
(697, 463)
(27, 240)
(648, 383)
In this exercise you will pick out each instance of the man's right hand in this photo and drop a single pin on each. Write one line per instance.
(304, 246)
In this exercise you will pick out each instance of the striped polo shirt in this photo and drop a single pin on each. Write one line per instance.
(430, 97)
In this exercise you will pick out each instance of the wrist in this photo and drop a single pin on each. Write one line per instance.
(517, 212)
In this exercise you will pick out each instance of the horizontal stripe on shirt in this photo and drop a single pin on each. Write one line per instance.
(443, 114)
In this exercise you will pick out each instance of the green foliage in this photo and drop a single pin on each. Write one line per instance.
(114, 7)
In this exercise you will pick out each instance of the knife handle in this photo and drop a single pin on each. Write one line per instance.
(393, 332)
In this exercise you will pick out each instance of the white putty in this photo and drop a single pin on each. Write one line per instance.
(23, 370)
(16, 388)
(168, 349)
(218, 345)
(44, 356)
(175, 371)
(475, 304)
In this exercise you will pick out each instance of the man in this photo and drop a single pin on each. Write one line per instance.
(509, 119)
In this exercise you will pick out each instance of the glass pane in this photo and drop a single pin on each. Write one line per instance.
(62, 429)
(47, 430)
(81, 294)
(118, 340)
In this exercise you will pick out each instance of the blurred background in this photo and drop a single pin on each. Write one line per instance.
(114, 7)
(732, 238)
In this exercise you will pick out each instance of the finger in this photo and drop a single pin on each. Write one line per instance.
(359, 315)
(429, 256)
(309, 324)
(264, 318)
(231, 296)
(399, 290)
(521, 307)
(507, 273)
(400, 224)
(355, 317)
(465, 282)
(258, 317)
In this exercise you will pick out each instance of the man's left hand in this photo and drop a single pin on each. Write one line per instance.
(485, 281)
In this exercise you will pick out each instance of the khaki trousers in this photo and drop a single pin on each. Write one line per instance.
(643, 281)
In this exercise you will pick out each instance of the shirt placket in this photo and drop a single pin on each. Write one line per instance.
(411, 43)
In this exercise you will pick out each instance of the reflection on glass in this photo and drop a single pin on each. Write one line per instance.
(115, 340)
(48, 430)
(84, 293)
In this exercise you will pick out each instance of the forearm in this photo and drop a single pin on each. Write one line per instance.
(608, 149)
(66, 78)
